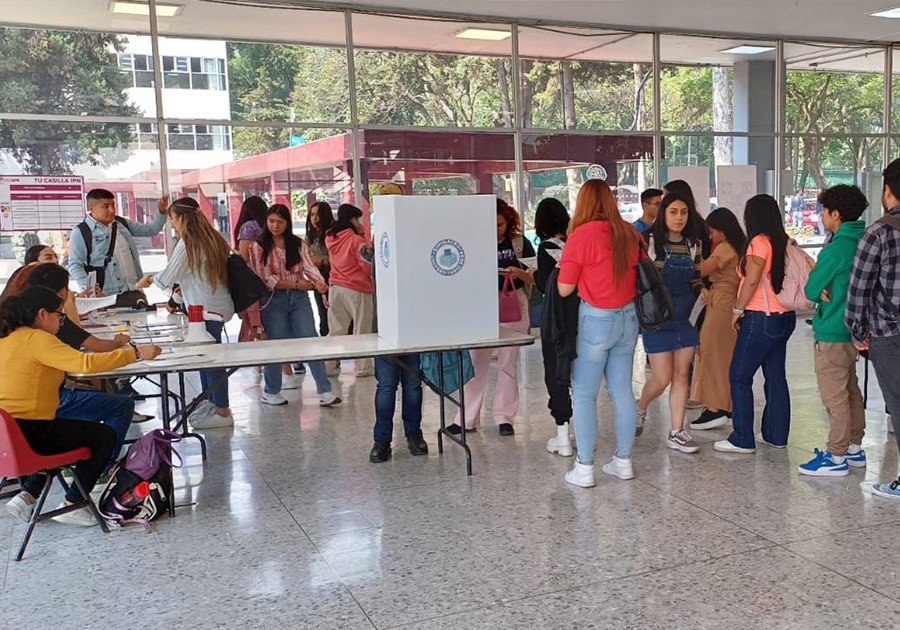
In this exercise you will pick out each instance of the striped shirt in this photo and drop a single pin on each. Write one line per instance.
(873, 302)
(275, 268)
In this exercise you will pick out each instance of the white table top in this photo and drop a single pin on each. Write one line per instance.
(189, 358)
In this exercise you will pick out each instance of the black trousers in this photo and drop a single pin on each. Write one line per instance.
(51, 437)
(884, 353)
(560, 403)
(320, 306)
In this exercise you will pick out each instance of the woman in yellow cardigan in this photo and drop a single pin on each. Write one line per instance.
(35, 363)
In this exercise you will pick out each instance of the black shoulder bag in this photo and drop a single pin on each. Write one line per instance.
(653, 302)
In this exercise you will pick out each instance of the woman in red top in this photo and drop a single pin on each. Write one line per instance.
(352, 286)
(599, 260)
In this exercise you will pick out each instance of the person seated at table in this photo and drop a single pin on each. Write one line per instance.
(282, 260)
(35, 364)
(89, 405)
(41, 254)
(199, 265)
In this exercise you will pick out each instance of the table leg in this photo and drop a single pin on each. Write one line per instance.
(167, 424)
(462, 413)
(440, 433)
(187, 433)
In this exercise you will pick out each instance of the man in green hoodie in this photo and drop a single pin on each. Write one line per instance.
(835, 354)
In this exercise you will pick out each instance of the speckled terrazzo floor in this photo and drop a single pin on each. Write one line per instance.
(291, 527)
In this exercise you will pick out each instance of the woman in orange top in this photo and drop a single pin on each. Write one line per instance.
(35, 365)
(763, 327)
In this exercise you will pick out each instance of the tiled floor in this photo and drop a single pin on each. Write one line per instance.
(291, 527)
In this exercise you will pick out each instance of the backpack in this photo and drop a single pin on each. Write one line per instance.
(245, 286)
(136, 491)
(653, 302)
(797, 265)
(88, 238)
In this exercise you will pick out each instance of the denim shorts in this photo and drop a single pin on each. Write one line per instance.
(671, 337)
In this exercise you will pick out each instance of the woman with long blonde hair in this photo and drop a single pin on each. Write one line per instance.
(199, 265)
(599, 260)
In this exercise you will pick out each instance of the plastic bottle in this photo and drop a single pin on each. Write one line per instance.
(135, 495)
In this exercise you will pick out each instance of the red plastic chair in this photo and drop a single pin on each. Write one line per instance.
(18, 459)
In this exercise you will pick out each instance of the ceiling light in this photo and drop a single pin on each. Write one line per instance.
(132, 7)
(890, 13)
(487, 34)
(747, 49)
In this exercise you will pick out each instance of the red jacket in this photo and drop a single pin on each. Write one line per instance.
(350, 256)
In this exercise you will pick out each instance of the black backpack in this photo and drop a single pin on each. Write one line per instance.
(246, 287)
(653, 302)
(88, 237)
(136, 490)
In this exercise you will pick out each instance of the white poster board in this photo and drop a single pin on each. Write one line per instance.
(436, 269)
(698, 179)
(38, 202)
(734, 186)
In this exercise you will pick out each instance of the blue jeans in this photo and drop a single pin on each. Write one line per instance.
(605, 346)
(762, 342)
(389, 376)
(288, 315)
(217, 395)
(113, 410)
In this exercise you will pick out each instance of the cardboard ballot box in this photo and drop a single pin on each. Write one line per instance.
(436, 268)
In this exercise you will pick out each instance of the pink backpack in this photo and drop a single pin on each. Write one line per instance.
(797, 265)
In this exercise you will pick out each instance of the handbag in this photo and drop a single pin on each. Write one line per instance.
(510, 309)
(245, 286)
(653, 302)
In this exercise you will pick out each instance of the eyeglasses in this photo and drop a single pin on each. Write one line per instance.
(62, 316)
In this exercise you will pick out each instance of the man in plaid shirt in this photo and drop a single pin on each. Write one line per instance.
(873, 304)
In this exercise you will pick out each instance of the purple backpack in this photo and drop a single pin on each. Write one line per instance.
(144, 456)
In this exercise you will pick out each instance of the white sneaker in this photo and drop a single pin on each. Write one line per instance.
(203, 409)
(620, 468)
(561, 445)
(137, 417)
(272, 399)
(213, 420)
(83, 517)
(289, 382)
(328, 400)
(581, 475)
(21, 506)
(761, 439)
(725, 446)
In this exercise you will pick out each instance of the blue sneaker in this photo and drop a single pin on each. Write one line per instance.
(856, 459)
(889, 490)
(822, 465)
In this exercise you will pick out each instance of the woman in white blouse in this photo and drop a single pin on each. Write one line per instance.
(199, 265)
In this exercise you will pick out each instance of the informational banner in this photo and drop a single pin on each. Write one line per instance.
(734, 186)
(41, 202)
(698, 179)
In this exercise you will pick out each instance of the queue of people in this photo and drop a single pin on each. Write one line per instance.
(744, 287)
(749, 287)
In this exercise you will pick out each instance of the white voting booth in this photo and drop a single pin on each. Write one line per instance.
(436, 269)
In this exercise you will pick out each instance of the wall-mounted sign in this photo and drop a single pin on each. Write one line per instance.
(41, 202)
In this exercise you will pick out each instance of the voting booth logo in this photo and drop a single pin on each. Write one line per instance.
(384, 250)
(448, 257)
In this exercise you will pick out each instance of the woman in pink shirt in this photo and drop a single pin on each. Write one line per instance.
(282, 260)
(352, 287)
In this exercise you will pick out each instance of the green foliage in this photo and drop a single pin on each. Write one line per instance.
(57, 72)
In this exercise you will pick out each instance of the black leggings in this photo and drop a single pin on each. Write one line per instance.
(51, 437)
(560, 403)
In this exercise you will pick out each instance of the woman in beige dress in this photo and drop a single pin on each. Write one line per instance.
(710, 385)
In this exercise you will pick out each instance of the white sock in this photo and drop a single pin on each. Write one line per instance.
(853, 449)
(562, 431)
(838, 459)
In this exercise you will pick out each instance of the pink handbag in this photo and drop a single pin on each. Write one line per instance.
(510, 310)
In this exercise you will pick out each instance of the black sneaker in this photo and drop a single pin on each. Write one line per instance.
(506, 429)
(417, 445)
(125, 388)
(710, 420)
(455, 429)
(381, 452)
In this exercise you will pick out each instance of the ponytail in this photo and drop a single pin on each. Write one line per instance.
(22, 310)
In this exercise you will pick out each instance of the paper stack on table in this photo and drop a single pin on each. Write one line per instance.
(85, 305)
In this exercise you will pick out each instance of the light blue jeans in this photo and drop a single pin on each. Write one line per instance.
(288, 315)
(605, 346)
